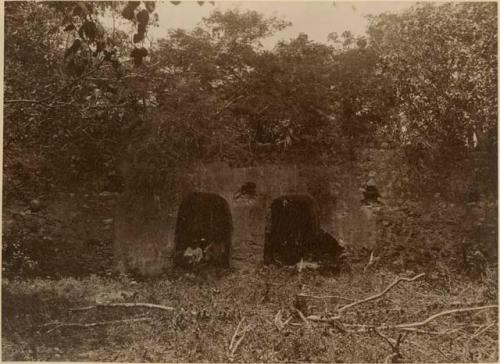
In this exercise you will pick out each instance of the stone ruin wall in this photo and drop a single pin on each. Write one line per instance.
(144, 226)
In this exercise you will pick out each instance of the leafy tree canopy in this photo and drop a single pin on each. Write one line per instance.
(85, 96)
(442, 63)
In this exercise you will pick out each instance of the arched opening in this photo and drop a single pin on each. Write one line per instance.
(203, 231)
(291, 230)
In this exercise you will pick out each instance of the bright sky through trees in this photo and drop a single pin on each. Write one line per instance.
(315, 18)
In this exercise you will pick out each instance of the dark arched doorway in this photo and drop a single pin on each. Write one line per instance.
(291, 229)
(203, 231)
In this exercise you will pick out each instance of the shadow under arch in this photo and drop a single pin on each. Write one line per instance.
(291, 230)
(204, 225)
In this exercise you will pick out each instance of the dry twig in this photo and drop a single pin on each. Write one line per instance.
(390, 357)
(443, 354)
(240, 339)
(94, 324)
(443, 313)
(394, 344)
(372, 261)
(233, 346)
(235, 334)
(301, 315)
(477, 333)
(125, 304)
(407, 327)
(371, 298)
(378, 295)
(325, 297)
(278, 322)
(317, 318)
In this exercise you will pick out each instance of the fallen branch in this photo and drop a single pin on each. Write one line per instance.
(390, 341)
(243, 333)
(394, 344)
(481, 329)
(443, 313)
(234, 335)
(138, 304)
(372, 261)
(479, 332)
(233, 346)
(390, 357)
(301, 315)
(378, 295)
(94, 324)
(409, 327)
(443, 354)
(317, 318)
(278, 322)
(427, 332)
(324, 297)
(359, 328)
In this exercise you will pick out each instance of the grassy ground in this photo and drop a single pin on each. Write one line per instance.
(209, 307)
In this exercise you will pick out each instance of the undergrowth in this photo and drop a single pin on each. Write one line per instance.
(209, 307)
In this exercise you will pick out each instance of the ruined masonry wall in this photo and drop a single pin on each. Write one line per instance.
(144, 226)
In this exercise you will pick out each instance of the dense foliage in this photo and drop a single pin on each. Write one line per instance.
(442, 64)
(422, 79)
